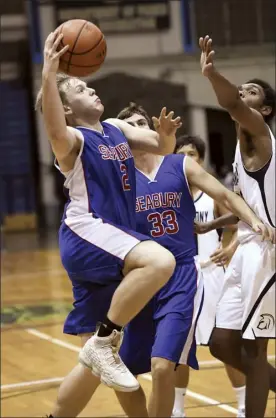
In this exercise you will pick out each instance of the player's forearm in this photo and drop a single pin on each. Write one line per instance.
(52, 108)
(222, 221)
(166, 145)
(238, 207)
(149, 141)
(226, 92)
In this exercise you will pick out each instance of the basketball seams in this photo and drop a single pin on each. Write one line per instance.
(91, 49)
(88, 50)
(76, 40)
(89, 61)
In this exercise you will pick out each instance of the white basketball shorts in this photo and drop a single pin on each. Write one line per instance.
(248, 296)
(213, 280)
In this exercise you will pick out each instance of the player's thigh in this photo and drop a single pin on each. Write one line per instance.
(258, 267)
(174, 340)
(177, 307)
(258, 290)
(230, 306)
(213, 278)
(152, 255)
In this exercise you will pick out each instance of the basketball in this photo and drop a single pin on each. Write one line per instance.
(87, 48)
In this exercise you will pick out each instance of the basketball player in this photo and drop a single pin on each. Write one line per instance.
(162, 335)
(212, 260)
(80, 384)
(245, 317)
(103, 255)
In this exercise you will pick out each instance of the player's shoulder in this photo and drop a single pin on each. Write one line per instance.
(112, 123)
(175, 158)
(175, 162)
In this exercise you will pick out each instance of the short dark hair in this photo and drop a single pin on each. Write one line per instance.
(195, 141)
(133, 108)
(270, 97)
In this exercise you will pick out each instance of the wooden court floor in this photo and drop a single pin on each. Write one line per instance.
(35, 355)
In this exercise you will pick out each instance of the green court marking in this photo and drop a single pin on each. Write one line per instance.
(42, 312)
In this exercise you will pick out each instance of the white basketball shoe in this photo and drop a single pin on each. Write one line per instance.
(177, 413)
(241, 413)
(100, 354)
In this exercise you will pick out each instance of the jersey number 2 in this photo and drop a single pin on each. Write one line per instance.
(158, 229)
(126, 185)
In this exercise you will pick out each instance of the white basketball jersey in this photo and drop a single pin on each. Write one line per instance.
(206, 243)
(257, 189)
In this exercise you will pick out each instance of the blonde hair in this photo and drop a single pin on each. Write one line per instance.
(61, 79)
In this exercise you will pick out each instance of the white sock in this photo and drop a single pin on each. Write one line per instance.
(240, 395)
(179, 400)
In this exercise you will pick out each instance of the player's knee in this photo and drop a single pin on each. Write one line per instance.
(218, 345)
(161, 368)
(163, 263)
(153, 257)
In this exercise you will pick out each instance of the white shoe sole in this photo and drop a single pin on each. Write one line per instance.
(105, 382)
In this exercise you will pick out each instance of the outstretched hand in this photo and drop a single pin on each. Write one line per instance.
(165, 125)
(207, 55)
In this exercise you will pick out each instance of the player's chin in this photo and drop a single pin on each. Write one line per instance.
(97, 107)
(100, 108)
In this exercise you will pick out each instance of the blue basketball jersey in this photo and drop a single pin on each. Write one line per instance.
(103, 180)
(165, 208)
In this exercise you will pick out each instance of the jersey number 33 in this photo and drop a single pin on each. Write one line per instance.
(163, 223)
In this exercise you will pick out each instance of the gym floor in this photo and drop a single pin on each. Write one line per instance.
(36, 355)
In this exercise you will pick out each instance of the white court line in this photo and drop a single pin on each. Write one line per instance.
(52, 340)
(73, 347)
(202, 398)
(32, 383)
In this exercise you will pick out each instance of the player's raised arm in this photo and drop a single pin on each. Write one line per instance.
(198, 177)
(229, 96)
(63, 139)
(161, 141)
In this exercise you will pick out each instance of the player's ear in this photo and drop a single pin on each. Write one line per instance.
(266, 110)
(67, 110)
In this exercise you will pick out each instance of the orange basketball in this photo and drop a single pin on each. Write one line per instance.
(87, 48)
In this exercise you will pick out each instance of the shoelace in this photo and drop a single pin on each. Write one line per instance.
(113, 359)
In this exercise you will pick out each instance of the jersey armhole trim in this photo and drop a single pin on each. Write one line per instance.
(68, 174)
(185, 176)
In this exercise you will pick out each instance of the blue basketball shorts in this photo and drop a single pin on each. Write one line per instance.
(166, 326)
(93, 253)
